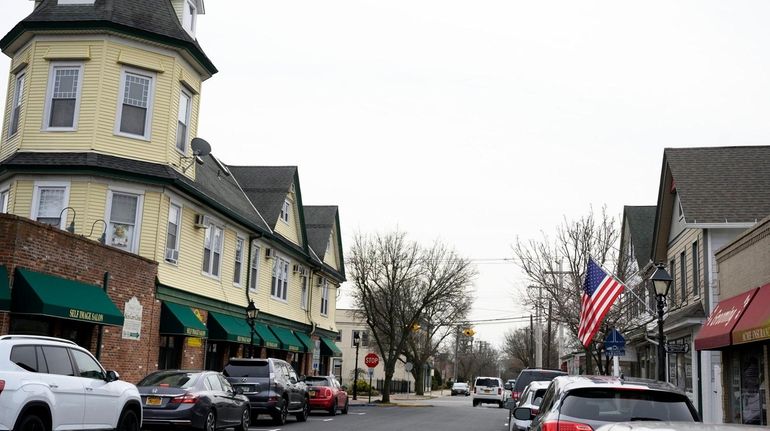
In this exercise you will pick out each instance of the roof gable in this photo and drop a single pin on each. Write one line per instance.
(641, 225)
(267, 187)
(323, 230)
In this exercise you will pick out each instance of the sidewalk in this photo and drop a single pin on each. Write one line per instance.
(397, 399)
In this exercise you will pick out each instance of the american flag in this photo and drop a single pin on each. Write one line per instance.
(600, 290)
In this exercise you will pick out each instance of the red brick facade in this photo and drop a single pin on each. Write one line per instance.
(38, 247)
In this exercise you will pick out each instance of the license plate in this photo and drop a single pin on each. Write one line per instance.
(153, 401)
(487, 391)
(312, 393)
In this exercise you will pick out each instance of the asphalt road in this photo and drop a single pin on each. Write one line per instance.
(445, 414)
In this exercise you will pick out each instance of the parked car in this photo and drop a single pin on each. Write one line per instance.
(488, 390)
(199, 399)
(528, 375)
(326, 393)
(677, 426)
(51, 383)
(531, 397)
(509, 384)
(272, 387)
(588, 402)
(461, 388)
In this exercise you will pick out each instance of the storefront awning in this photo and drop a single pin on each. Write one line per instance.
(329, 348)
(715, 333)
(754, 325)
(267, 337)
(178, 319)
(229, 328)
(305, 339)
(288, 340)
(5, 290)
(38, 293)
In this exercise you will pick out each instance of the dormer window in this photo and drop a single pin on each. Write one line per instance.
(284, 216)
(189, 16)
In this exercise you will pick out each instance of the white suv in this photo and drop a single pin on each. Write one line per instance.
(488, 390)
(49, 384)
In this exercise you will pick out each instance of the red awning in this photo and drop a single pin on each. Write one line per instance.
(715, 333)
(755, 322)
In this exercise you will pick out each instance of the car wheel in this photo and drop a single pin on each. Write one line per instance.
(30, 422)
(475, 403)
(302, 416)
(500, 404)
(347, 405)
(245, 420)
(279, 418)
(128, 421)
(333, 408)
(210, 424)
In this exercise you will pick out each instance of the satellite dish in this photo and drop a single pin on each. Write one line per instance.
(200, 147)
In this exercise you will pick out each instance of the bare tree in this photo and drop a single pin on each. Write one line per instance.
(591, 236)
(520, 353)
(397, 285)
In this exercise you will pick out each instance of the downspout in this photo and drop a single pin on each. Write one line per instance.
(100, 335)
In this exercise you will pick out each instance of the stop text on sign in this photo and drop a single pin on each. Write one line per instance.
(371, 360)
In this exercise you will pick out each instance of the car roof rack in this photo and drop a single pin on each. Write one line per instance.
(36, 337)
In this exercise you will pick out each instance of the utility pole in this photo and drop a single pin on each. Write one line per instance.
(539, 329)
(560, 273)
(457, 341)
(531, 341)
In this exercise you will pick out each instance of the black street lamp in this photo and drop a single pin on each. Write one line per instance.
(661, 280)
(251, 317)
(357, 343)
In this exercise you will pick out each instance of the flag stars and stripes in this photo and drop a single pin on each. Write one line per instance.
(600, 291)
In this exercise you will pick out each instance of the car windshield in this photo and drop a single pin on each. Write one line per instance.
(181, 380)
(317, 381)
(624, 404)
(247, 369)
(492, 383)
(460, 385)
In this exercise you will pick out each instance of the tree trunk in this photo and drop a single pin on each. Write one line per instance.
(418, 374)
(386, 385)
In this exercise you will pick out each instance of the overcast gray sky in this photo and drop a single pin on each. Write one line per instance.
(473, 122)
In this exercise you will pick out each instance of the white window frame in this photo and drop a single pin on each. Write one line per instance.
(124, 72)
(211, 229)
(188, 4)
(5, 195)
(242, 240)
(279, 291)
(188, 95)
(178, 232)
(137, 217)
(49, 96)
(254, 268)
(285, 209)
(18, 95)
(324, 296)
(36, 198)
(304, 284)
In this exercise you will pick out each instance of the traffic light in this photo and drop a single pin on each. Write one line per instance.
(469, 332)
(415, 327)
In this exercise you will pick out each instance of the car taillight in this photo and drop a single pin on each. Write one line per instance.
(499, 391)
(184, 399)
(2, 386)
(565, 426)
(515, 396)
(327, 392)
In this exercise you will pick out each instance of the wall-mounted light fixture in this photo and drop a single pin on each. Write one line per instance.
(71, 227)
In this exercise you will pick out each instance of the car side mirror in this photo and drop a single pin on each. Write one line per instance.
(239, 390)
(510, 404)
(345, 388)
(112, 376)
(522, 413)
(507, 386)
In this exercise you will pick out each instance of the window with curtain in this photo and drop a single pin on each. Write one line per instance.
(303, 282)
(254, 268)
(123, 221)
(212, 250)
(183, 119)
(50, 205)
(238, 261)
(135, 103)
(63, 96)
(16, 105)
(324, 297)
(172, 233)
(280, 281)
(4, 201)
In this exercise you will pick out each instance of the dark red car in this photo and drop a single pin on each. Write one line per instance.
(327, 394)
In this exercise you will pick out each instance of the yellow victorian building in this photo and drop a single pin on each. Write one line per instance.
(98, 139)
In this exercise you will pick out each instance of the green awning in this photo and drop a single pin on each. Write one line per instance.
(288, 340)
(268, 339)
(329, 348)
(229, 328)
(305, 339)
(178, 319)
(38, 293)
(5, 290)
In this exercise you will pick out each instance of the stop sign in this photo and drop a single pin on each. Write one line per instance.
(371, 360)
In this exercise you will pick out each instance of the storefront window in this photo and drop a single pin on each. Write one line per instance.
(680, 367)
(170, 352)
(747, 387)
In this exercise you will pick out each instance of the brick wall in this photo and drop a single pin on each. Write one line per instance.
(28, 244)
(745, 263)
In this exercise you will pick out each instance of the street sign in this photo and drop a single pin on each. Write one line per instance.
(371, 360)
(371, 372)
(408, 367)
(615, 344)
(677, 348)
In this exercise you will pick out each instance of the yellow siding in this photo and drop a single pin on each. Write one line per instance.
(331, 258)
(22, 205)
(149, 237)
(291, 230)
(10, 144)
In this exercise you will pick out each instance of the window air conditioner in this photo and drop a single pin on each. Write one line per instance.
(319, 281)
(172, 255)
(269, 253)
(201, 221)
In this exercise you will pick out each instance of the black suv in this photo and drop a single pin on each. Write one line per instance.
(588, 402)
(529, 375)
(272, 387)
